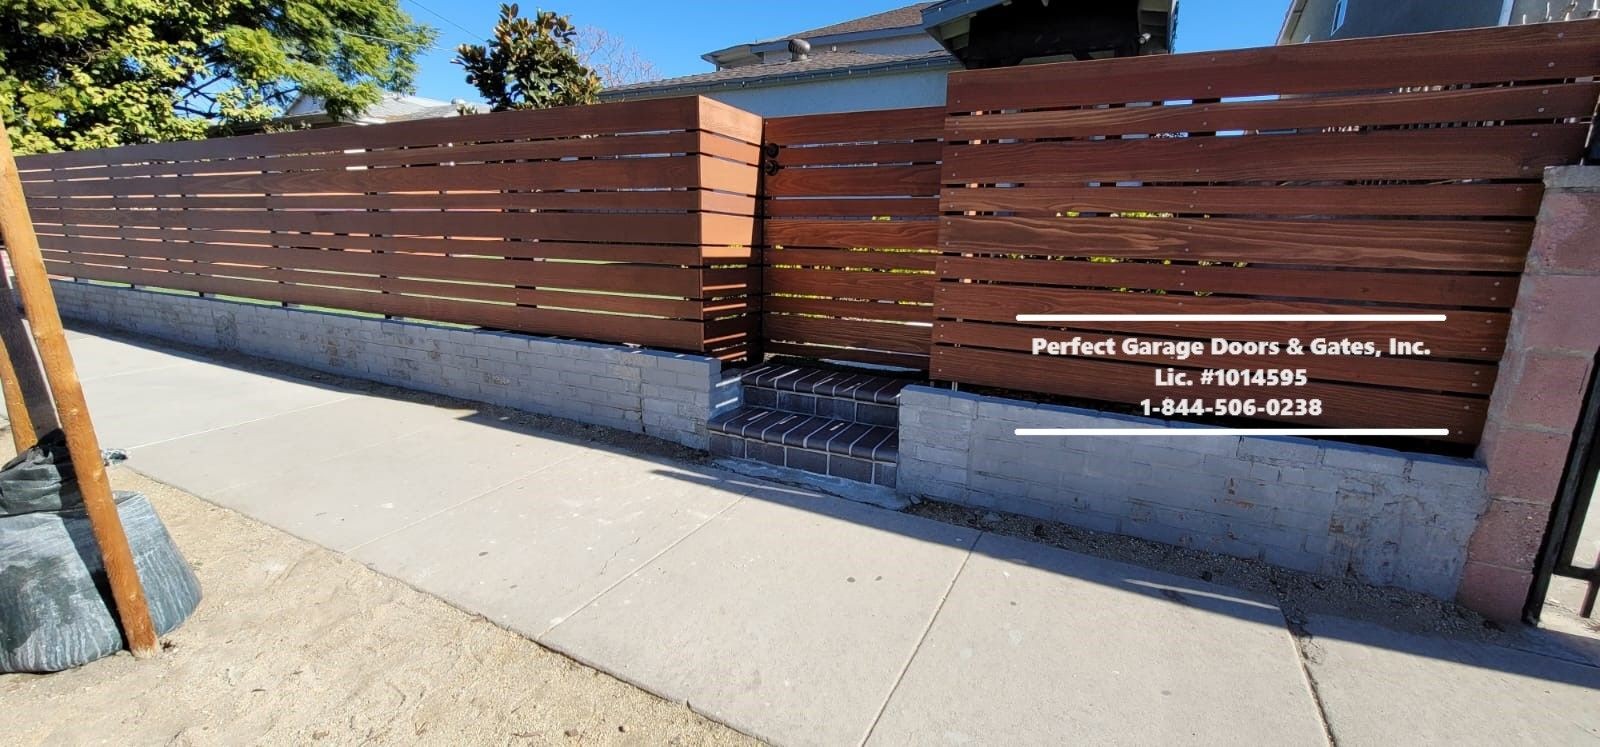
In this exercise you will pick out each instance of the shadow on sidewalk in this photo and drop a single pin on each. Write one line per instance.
(1543, 657)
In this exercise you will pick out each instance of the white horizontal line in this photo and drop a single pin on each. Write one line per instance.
(1232, 431)
(1231, 317)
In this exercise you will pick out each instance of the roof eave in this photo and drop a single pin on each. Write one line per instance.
(1291, 21)
(776, 45)
(764, 82)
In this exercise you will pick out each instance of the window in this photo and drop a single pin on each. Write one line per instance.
(1339, 9)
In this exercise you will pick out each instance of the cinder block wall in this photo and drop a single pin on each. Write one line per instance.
(1539, 394)
(667, 395)
(1380, 516)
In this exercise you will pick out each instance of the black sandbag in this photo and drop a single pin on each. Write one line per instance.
(33, 481)
(55, 602)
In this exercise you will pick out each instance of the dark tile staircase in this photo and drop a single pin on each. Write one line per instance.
(825, 422)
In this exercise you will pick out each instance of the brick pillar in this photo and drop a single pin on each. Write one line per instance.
(1555, 330)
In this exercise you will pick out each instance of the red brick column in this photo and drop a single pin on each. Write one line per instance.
(1555, 330)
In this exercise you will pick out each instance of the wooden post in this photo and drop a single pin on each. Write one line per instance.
(28, 403)
(22, 433)
(33, 284)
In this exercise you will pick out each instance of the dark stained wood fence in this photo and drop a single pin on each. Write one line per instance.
(629, 222)
(850, 227)
(1388, 175)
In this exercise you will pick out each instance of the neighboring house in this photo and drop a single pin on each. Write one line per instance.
(899, 58)
(1320, 20)
(307, 112)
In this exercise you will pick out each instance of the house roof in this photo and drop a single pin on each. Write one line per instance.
(393, 107)
(816, 65)
(899, 18)
(907, 18)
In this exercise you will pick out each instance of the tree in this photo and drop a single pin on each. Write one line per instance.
(529, 64)
(80, 74)
(612, 60)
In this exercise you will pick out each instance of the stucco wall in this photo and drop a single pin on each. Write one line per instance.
(840, 94)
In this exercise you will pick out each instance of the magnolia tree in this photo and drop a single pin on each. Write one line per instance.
(530, 63)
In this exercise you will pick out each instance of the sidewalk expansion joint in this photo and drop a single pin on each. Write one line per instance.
(922, 638)
(294, 411)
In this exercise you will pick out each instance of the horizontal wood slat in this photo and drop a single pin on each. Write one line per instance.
(907, 234)
(106, 239)
(1495, 291)
(1524, 103)
(849, 333)
(916, 180)
(1390, 175)
(649, 116)
(865, 154)
(1418, 244)
(680, 172)
(926, 123)
(1511, 152)
(1537, 52)
(1492, 200)
(871, 286)
(627, 222)
(860, 207)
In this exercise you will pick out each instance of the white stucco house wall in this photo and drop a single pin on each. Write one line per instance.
(901, 57)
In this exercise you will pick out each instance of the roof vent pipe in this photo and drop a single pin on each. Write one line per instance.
(798, 49)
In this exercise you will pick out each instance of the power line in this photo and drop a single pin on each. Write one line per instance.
(470, 33)
(418, 45)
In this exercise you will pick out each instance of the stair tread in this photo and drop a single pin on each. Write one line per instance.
(875, 442)
(826, 383)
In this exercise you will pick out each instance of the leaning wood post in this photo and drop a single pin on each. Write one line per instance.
(23, 434)
(33, 285)
(28, 403)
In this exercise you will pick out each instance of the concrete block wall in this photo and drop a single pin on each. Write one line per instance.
(1383, 517)
(663, 394)
(1539, 393)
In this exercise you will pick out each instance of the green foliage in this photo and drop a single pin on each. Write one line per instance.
(529, 63)
(78, 74)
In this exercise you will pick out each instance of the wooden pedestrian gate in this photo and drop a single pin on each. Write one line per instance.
(850, 208)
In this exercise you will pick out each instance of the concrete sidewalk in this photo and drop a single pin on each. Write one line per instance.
(796, 617)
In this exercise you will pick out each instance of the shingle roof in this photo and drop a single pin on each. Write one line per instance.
(818, 63)
(910, 15)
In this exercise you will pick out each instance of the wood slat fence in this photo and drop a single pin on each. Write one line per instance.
(1387, 175)
(1375, 176)
(629, 222)
(850, 228)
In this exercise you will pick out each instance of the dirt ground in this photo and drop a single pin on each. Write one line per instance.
(294, 644)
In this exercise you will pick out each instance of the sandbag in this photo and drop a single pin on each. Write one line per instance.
(41, 478)
(55, 603)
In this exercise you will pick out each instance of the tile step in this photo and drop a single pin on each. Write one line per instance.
(810, 432)
(836, 408)
(820, 446)
(825, 383)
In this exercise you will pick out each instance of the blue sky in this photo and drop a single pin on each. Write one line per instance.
(673, 35)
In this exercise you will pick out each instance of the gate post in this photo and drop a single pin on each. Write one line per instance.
(1555, 331)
